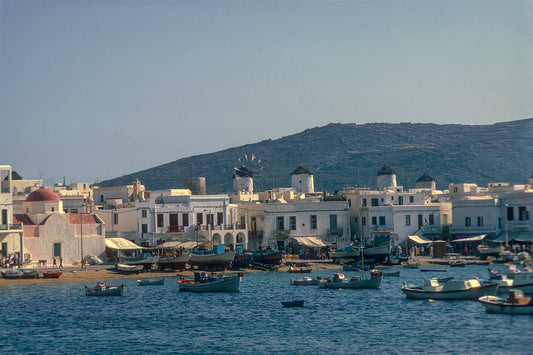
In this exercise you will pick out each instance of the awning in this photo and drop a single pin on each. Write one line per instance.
(522, 236)
(477, 238)
(120, 244)
(419, 240)
(312, 242)
(177, 245)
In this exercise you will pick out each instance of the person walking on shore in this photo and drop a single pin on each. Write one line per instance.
(55, 262)
(60, 262)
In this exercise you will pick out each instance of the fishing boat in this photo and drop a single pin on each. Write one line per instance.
(345, 253)
(379, 252)
(485, 251)
(298, 303)
(350, 267)
(102, 289)
(299, 270)
(449, 290)
(306, 281)
(51, 274)
(178, 262)
(29, 274)
(340, 281)
(457, 263)
(268, 256)
(206, 282)
(150, 282)
(146, 260)
(129, 269)
(12, 274)
(242, 260)
(515, 303)
(522, 280)
(212, 259)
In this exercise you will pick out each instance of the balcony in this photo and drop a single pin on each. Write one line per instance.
(255, 234)
(11, 228)
(517, 225)
(281, 233)
(473, 230)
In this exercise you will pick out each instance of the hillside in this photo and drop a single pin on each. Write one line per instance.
(342, 155)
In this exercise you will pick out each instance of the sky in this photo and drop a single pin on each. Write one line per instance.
(92, 90)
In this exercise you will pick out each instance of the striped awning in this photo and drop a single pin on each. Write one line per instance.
(120, 244)
(419, 240)
(312, 242)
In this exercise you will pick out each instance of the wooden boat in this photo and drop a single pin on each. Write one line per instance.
(242, 261)
(149, 282)
(350, 267)
(205, 282)
(449, 290)
(522, 280)
(298, 303)
(146, 261)
(212, 259)
(51, 274)
(12, 274)
(306, 281)
(129, 269)
(268, 256)
(173, 262)
(340, 281)
(515, 303)
(485, 251)
(345, 253)
(379, 252)
(29, 274)
(102, 289)
(300, 270)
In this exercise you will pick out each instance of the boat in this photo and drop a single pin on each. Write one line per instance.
(379, 252)
(146, 260)
(515, 303)
(407, 265)
(212, 259)
(391, 273)
(29, 274)
(345, 253)
(298, 303)
(51, 274)
(522, 281)
(457, 263)
(102, 289)
(242, 260)
(149, 282)
(485, 251)
(299, 270)
(433, 270)
(178, 262)
(129, 269)
(340, 281)
(12, 274)
(268, 256)
(205, 282)
(305, 281)
(449, 290)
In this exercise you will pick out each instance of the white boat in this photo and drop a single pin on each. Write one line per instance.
(340, 281)
(128, 269)
(305, 281)
(516, 303)
(449, 290)
(146, 260)
(486, 251)
(212, 259)
(522, 280)
(102, 289)
(205, 282)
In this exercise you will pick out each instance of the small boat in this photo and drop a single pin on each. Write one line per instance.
(29, 274)
(178, 262)
(242, 261)
(205, 282)
(299, 303)
(268, 256)
(300, 270)
(340, 281)
(391, 273)
(102, 289)
(148, 282)
(51, 274)
(516, 303)
(449, 290)
(146, 260)
(350, 267)
(522, 280)
(305, 281)
(212, 259)
(407, 265)
(456, 263)
(486, 251)
(129, 269)
(345, 253)
(12, 274)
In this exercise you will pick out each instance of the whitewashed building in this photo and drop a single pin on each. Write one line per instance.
(11, 233)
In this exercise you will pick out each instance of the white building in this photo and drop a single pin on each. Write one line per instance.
(302, 180)
(11, 234)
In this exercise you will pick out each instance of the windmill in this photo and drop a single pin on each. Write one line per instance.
(257, 166)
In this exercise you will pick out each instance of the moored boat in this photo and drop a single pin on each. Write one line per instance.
(205, 282)
(297, 303)
(299, 270)
(268, 256)
(150, 282)
(449, 290)
(515, 303)
(12, 274)
(51, 274)
(340, 281)
(212, 259)
(146, 260)
(305, 281)
(522, 280)
(102, 289)
(391, 273)
(29, 274)
(178, 262)
(128, 269)
(345, 253)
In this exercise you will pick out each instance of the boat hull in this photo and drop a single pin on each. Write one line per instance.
(470, 294)
(174, 263)
(372, 283)
(495, 304)
(107, 291)
(212, 259)
(12, 274)
(306, 281)
(273, 258)
(51, 274)
(151, 282)
(226, 284)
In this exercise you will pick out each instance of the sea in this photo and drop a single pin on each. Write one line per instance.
(58, 318)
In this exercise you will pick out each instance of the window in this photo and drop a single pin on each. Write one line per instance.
(115, 218)
(364, 202)
(468, 222)
(185, 219)
(292, 223)
(74, 210)
(173, 219)
(381, 220)
(523, 214)
(375, 202)
(4, 217)
(400, 200)
(220, 218)
(4, 249)
(407, 220)
(101, 198)
(143, 213)
(374, 221)
(510, 213)
(199, 218)
(411, 199)
(480, 221)
(455, 189)
(349, 203)
(431, 219)
(57, 250)
(313, 222)
(144, 228)
(159, 220)
(333, 221)
(280, 223)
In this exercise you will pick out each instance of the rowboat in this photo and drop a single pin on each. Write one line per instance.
(449, 290)
(340, 281)
(515, 303)
(29, 274)
(128, 269)
(12, 274)
(298, 303)
(102, 289)
(51, 274)
(205, 282)
(148, 282)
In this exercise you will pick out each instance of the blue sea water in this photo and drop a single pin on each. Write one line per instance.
(59, 318)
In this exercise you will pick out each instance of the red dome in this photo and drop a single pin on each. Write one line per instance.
(42, 195)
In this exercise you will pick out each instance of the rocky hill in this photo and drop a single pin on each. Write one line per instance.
(342, 155)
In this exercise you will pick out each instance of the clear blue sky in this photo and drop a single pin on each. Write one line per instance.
(93, 89)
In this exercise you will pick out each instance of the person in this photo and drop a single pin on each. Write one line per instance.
(60, 262)
(55, 262)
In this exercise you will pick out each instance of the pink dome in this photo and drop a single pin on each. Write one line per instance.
(42, 194)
